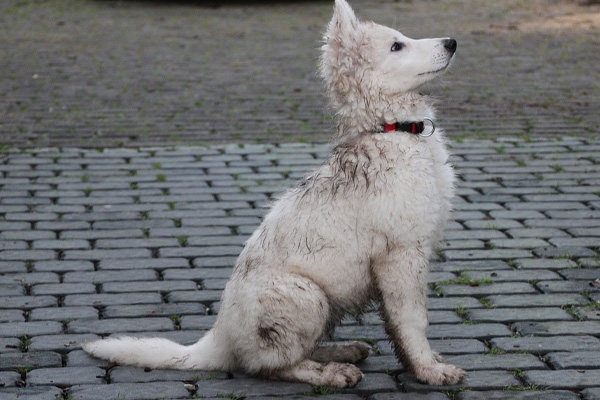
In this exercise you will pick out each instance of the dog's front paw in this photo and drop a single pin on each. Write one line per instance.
(440, 374)
(341, 375)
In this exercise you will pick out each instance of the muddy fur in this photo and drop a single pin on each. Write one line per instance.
(356, 231)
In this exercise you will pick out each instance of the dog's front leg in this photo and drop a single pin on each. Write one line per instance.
(402, 282)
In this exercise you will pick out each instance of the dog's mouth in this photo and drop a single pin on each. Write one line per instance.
(436, 71)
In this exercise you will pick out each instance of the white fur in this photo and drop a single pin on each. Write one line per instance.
(359, 229)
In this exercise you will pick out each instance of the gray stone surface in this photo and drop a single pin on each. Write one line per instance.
(518, 395)
(564, 379)
(514, 322)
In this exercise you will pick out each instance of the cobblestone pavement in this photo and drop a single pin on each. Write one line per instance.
(79, 73)
(141, 241)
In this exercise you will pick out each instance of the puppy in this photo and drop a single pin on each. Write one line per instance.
(358, 229)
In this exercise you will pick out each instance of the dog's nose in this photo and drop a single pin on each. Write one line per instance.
(450, 45)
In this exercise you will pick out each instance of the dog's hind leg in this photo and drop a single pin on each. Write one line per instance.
(348, 352)
(332, 374)
(402, 283)
(282, 325)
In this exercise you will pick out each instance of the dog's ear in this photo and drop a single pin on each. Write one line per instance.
(343, 24)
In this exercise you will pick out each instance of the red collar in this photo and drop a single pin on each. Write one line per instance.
(410, 127)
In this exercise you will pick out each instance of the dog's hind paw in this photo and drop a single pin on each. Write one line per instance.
(341, 375)
(440, 374)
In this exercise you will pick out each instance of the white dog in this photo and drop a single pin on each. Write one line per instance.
(358, 229)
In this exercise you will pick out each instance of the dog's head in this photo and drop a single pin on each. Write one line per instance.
(370, 64)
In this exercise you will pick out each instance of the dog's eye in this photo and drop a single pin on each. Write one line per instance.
(397, 46)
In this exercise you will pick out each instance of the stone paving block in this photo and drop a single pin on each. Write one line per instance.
(375, 363)
(249, 387)
(561, 223)
(513, 275)
(214, 262)
(10, 226)
(213, 251)
(63, 266)
(545, 263)
(509, 315)
(467, 331)
(134, 374)
(65, 376)
(541, 233)
(130, 391)
(214, 284)
(79, 358)
(503, 254)
(197, 273)
(475, 380)
(589, 262)
(40, 359)
(408, 396)
(61, 244)
(543, 345)
(563, 252)
(217, 240)
(12, 245)
(586, 274)
(574, 360)
(479, 234)
(60, 343)
(473, 265)
(521, 243)
(31, 278)
(105, 299)
(190, 232)
(34, 393)
(11, 316)
(63, 225)
(9, 345)
(154, 310)
(18, 329)
(27, 302)
(591, 242)
(196, 296)
(148, 286)
(372, 383)
(13, 266)
(518, 395)
(558, 328)
(504, 362)
(591, 394)
(99, 234)
(106, 254)
(141, 263)
(106, 326)
(462, 244)
(62, 288)
(134, 224)
(23, 255)
(134, 243)
(536, 300)
(487, 289)
(63, 313)
(564, 379)
(97, 277)
(444, 347)
(9, 379)
(452, 303)
(11, 290)
(566, 287)
(203, 322)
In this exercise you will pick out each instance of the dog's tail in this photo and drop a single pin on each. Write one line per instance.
(206, 354)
